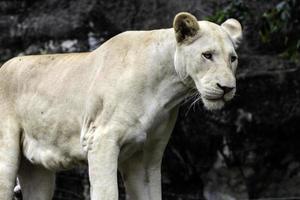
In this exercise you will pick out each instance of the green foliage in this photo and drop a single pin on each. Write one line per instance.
(279, 25)
(276, 20)
(277, 29)
(235, 9)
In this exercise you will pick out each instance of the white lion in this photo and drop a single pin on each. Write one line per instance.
(113, 108)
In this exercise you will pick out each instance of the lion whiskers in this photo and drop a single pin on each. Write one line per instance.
(195, 97)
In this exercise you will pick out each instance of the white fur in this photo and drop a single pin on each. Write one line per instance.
(113, 108)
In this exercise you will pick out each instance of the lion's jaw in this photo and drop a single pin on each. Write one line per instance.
(213, 97)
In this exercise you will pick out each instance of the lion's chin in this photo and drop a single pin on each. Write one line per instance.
(213, 104)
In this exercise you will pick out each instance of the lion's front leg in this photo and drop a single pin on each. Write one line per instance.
(142, 172)
(142, 179)
(103, 161)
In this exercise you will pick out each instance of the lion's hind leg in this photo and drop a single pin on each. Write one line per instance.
(37, 183)
(9, 154)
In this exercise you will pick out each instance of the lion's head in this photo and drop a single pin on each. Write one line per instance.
(205, 57)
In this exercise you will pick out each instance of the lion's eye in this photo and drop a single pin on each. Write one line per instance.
(207, 55)
(233, 58)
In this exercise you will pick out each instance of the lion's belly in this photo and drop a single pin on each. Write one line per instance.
(53, 156)
(51, 132)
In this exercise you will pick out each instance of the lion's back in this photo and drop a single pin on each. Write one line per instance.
(52, 75)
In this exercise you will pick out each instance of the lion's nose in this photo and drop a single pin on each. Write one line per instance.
(226, 89)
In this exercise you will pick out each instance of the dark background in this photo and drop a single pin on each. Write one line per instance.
(250, 149)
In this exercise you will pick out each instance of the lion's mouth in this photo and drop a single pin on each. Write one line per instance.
(215, 99)
(214, 102)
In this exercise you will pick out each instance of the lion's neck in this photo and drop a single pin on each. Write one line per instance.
(172, 89)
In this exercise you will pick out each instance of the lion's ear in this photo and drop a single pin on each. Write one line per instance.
(234, 29)
(186, 27)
